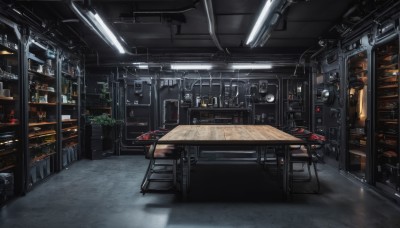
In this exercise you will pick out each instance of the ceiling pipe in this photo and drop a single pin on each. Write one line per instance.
(12, 25)
(211, 23)
(182, 10)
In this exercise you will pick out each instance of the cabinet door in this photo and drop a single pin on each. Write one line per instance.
(42, 111)
(386, 139)
(138, 114)
(10, 153)
(357, 119)
(69, 135)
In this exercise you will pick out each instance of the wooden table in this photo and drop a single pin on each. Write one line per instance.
(218, 135)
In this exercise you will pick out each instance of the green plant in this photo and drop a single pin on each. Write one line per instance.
(104, 120)
(104, 92)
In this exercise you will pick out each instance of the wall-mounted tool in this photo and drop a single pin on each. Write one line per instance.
(138, 88)
(328, 95)
(299, 88)
(188, 98)
(333, 77)
(254, 90)
(270, 98)
(263, 89)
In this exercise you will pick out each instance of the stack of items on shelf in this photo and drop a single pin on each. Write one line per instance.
(5, 93)
(70, 154)
(7, 150)
(6, 186)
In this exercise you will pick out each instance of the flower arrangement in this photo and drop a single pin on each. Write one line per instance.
(104, 120)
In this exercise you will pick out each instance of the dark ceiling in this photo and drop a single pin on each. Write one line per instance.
(156, 29)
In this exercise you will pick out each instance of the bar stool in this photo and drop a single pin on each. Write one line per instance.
(162, 168)
(300, 154)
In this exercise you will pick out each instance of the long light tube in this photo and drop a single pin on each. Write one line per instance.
(109, 34)
(39, 44)
(246, 66)
(191, 66)
(260, 21)
(143, 66)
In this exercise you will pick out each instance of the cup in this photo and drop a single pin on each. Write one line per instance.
(6, 92)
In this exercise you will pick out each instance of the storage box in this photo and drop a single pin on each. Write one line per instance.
(65, 117)
(6, 185)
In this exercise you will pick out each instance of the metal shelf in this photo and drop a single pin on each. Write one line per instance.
(41, 124)
(51, 77)
(7, 167)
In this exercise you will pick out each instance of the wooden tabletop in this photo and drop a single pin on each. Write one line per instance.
(227, 135)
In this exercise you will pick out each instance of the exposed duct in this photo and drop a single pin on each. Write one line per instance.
(176, 11)
(12, 25)
(211, 23)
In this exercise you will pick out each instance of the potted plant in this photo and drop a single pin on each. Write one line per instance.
(104, 120)
(107, 123)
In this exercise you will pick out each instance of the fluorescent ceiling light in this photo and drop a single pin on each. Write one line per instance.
(110, 35)
(191, 66)
(260, 21)
(39, 45)
(143, 66)
(249, 66)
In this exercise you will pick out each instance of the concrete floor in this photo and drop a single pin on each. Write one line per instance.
(105, 193)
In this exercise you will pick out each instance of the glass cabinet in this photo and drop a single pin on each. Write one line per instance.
(10, 153)
(357, 119)
(70, 80)
(42, 107)
(387, 116)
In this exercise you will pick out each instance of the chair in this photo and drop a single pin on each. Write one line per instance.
(305, 155)
(161, 171)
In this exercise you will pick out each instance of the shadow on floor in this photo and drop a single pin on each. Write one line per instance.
(236, 183)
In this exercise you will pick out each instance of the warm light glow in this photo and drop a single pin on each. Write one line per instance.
(247, 66)
(111, 35)
(191, 66)
(6, 53)
(260, 21)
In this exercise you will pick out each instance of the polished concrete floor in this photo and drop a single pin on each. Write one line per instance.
(105, 193)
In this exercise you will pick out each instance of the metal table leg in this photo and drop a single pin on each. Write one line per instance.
(185, 172)
(286, 177)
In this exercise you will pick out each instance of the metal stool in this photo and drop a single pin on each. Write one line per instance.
(303, 155)
(162, 168)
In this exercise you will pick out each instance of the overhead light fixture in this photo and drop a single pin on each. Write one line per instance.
(141, 65)
(191, 66)
(250, 66)
(93, 20)
(268, 18)
(108, 33)
(39, 44)
(260, 21)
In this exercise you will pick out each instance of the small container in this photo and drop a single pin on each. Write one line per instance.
(6, 92)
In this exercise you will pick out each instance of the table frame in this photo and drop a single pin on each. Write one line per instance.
(187, 138)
